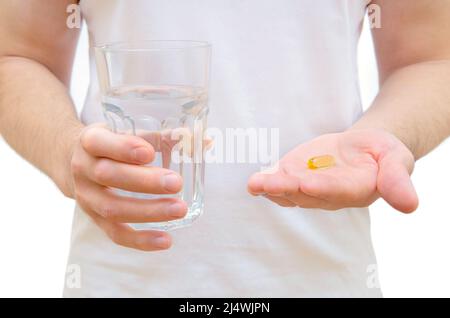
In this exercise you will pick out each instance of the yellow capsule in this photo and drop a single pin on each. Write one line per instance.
(318, 162)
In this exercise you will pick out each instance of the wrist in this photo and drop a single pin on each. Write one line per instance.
(62, 172)
(390, 133)
(383, 144)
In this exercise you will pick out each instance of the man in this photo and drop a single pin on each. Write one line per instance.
(289, 65)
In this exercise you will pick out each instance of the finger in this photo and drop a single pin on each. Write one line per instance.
(255, 185)
(124, 235)
(279, 184)
(394, 182)
(274, 184)
(284, 190)
(305, 201)
(340, 191)
(134, 178)
(123, 209)
(101, 142)
(280, 201)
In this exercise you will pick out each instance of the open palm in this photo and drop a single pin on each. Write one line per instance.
(369, 164)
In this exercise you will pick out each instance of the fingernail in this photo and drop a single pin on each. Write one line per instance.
(141, 154)
(177, 210)
(171, 182)
(162, 242)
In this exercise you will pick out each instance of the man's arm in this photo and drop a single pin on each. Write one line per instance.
(413, 53)
(37, 116)
(38, 120)
(410, 116)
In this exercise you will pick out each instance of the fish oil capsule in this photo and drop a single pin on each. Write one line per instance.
(319, 162)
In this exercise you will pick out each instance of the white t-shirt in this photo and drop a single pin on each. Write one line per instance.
(276, 64)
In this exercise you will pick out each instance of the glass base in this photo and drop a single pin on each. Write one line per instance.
(193, 213)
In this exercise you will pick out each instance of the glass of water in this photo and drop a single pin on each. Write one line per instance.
(158, 90)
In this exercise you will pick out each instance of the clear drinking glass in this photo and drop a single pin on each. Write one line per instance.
(158, 90)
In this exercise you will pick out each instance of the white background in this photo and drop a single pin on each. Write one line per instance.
(35, 224)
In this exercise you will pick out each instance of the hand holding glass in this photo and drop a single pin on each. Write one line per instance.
(158, 90)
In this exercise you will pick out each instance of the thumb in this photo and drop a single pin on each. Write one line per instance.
(394, 183)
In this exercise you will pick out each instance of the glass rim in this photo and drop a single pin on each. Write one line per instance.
(152, 45)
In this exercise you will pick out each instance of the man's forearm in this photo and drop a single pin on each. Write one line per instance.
(37, 117)
(414, 105)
